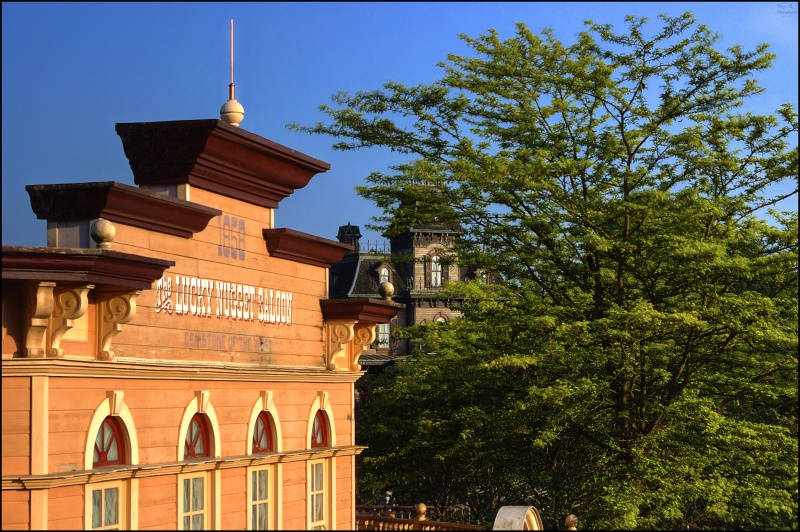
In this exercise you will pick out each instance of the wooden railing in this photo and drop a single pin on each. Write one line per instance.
(403, 518)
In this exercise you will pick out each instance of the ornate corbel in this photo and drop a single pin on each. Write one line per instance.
(345, 342)
(337, 337)
(70, 304)
(114, 309)
(38, 308)
(364, 337)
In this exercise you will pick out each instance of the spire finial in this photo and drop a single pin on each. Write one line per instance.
(232, 111)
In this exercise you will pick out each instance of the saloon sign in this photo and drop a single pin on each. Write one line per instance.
(193, 296)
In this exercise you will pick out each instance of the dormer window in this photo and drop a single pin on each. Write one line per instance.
(383, 276)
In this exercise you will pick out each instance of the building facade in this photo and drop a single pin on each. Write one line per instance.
(171, 359)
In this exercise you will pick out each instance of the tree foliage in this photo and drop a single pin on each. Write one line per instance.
(639, 368)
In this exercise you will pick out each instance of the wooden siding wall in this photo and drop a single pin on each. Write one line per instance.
(159, 336)
(16, 423)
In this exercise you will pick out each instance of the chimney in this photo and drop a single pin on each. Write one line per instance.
(350, 234)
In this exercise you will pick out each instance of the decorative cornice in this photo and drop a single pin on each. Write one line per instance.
(215, 156)
(363, 310)
(77, 265)
(75, 478)
(293, 245)
(169, 370)
(120, 203)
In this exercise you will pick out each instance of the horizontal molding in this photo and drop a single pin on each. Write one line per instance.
(170, 370)
(216, 156)
(120, 203)
(58, 480)
(301, 247)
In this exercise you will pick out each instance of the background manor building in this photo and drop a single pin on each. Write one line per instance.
(418, 264)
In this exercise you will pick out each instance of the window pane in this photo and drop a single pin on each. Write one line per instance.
(262, 516)
(187, 523)
(112, 455)
(197, 522)
(187, 490)
(197, 494)
(316, 477)
(318, 510)
(254, 517)
(316, 432)
(262, 485)
(111, 504)
(108, 435)
(97, 509)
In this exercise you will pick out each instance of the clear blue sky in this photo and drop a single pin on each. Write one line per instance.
(73, 70)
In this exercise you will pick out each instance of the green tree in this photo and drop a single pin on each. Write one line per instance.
(640, 367)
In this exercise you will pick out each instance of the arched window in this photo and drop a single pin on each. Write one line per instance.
(319, 432)
(384, 276)
(262, 434)
(109, 447)
(196, 442)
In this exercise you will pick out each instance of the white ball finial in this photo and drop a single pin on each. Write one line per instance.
(232, 112)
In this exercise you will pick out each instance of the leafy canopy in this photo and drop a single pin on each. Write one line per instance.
(639, 367)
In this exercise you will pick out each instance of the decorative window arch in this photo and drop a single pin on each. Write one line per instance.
(109, 445)
(113, 405)
(319, 431)
(196, 443)
(264, 404)
(440, 317)
(320, 407)
(202, 405)
(263, 440)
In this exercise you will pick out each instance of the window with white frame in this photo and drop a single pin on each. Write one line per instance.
(383, 335)
(192, 500)
(384, 274)
(317, 495)
(105, 501)
(259, 495)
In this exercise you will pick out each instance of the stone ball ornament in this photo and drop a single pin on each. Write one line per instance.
(103, 232)
(386, 290)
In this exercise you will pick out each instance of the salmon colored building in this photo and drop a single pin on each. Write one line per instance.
(171, 359)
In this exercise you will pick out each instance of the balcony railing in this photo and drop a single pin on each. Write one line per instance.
(403, 518)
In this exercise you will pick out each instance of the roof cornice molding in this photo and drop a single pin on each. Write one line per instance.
(120, 203)
(216, 156)
(92, 266)
(363, 310)
(301, 247)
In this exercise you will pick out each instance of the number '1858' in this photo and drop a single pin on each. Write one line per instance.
(231, 238)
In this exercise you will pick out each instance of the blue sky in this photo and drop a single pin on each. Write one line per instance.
(71, 71)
